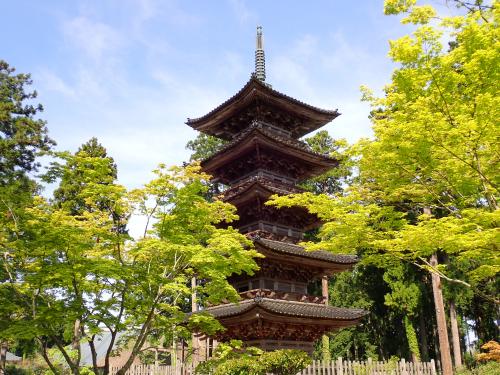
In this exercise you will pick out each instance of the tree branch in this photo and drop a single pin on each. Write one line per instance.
(432, 269)
(45, 356)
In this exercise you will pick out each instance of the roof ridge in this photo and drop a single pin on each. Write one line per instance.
(319, 305)
(318, 254)
(254, 80)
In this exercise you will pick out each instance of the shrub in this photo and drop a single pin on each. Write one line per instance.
(285, 361)
(490, 368)
(231, 360)
(14, 370)
(492, 352)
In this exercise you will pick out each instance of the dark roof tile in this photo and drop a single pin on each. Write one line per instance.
(287, 308)
(293, 249)
(272, 186)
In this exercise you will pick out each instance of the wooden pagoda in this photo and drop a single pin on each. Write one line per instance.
(264, 156)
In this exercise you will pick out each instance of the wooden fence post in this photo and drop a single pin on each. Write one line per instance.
(339, 366)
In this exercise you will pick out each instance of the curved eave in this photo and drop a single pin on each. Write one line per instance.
(323, 259)
(253, 90)
(256, 187)
(280, 308)
(247, 141)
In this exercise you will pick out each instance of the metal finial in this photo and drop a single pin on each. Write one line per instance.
(260, 59)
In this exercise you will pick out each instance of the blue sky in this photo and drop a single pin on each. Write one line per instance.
(130, 72)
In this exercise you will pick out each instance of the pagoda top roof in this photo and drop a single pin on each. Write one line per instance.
(287, 308)
(297, 250)
(256, 91)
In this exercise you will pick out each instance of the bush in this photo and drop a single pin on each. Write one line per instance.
(234, 360)
(243, 366)
(490, 368)
(27, 369)
(285, 361)
(14, 370)
(492, 349)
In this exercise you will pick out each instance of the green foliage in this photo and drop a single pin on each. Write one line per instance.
(204, 146)
(73, 269)
(364, 288)
(226, 358)
(405, 294)
(397, 6)
(439, 117)
(411, 336)
(435, 146)
(404, 298)
(243, 366)
(233, 359)
(285, 361)
(77, 171)
(22, 136)
(334, 180)
(490, 368)
(15, 370)
(62, 263)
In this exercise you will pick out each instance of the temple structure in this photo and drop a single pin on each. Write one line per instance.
(264, 156)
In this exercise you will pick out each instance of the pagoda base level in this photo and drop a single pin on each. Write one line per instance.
(270, 345)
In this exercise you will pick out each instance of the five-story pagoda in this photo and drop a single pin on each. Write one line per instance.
(264, 156)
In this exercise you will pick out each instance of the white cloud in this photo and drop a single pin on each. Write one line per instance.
(95, 39)
(53, 83)
(240, 9)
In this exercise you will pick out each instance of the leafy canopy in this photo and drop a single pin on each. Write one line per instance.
(435, 145)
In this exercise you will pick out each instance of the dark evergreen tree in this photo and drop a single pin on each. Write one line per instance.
(204, 146)
(336, 179)
(74, 177)
(23, 137)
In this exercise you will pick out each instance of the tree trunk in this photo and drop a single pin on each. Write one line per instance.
(423, 337)
(444, 345)
(325, 340)
(76, 340)
(43, 347)
(3, 357)
(109, 350)
(195, 341)
(93, 352)
(457, 355)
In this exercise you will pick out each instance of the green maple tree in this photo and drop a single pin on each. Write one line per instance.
(435, 147)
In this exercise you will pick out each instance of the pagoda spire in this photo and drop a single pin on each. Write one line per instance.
(260, 58)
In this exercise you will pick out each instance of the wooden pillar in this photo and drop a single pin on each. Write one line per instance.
(324, 288)
(325, 340)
